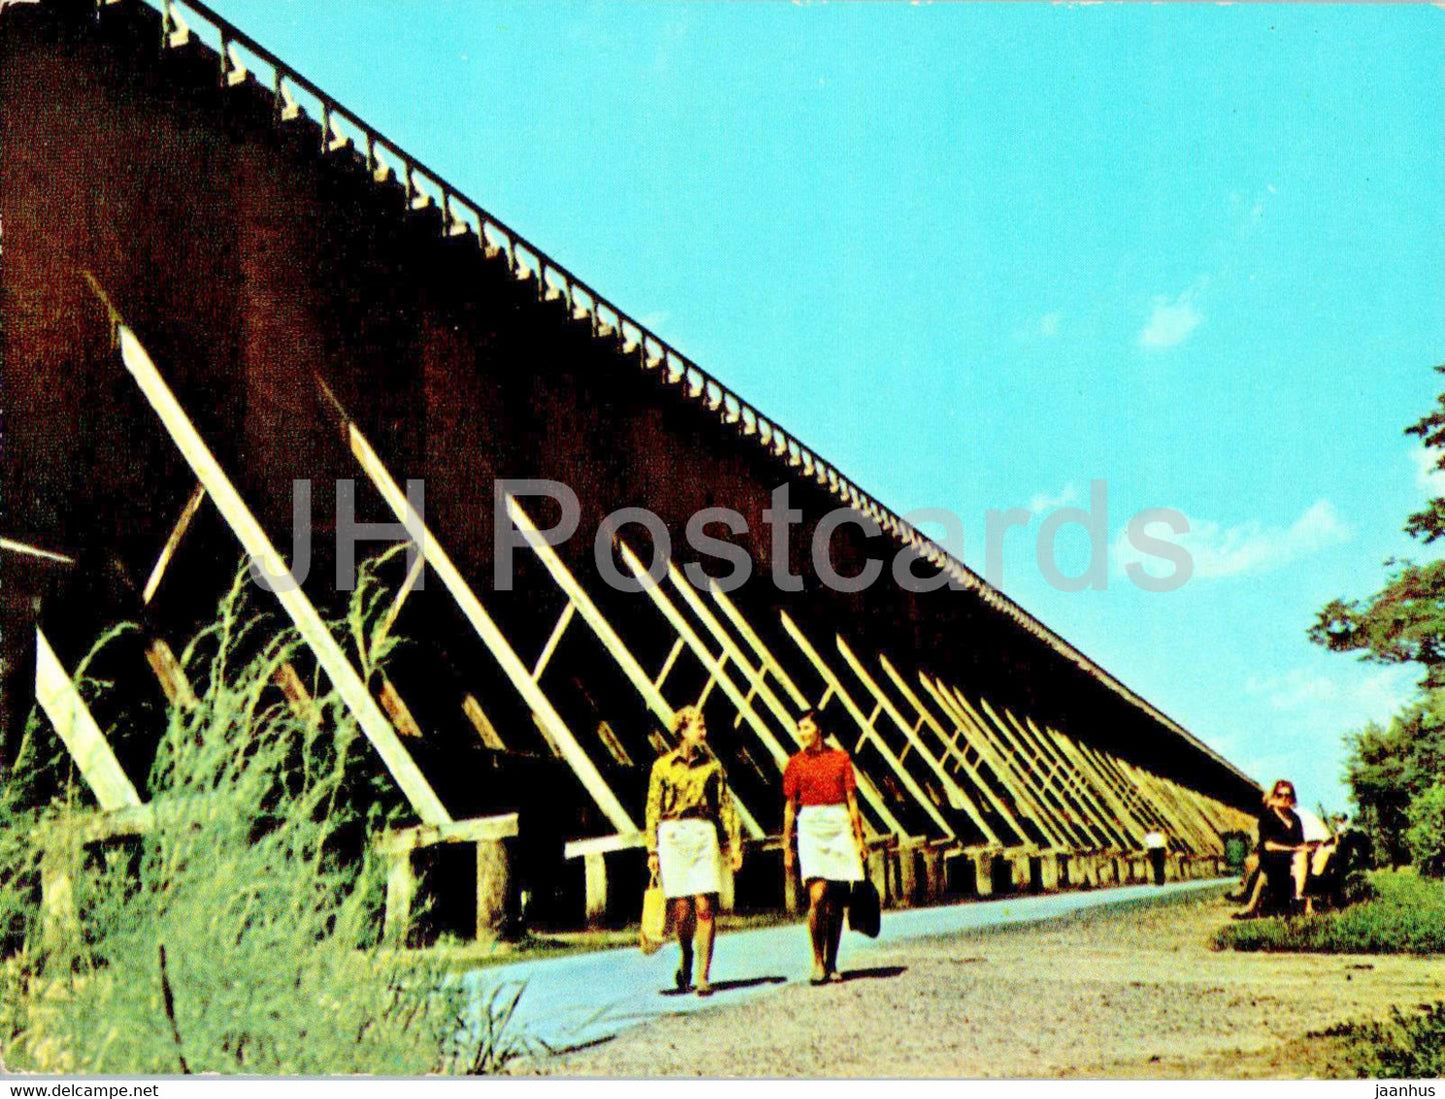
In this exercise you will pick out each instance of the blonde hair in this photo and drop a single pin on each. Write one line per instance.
(683, 715)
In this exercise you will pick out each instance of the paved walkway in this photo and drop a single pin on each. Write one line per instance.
(586, 998)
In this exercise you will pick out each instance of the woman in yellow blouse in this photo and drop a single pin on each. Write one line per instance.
(688, 805)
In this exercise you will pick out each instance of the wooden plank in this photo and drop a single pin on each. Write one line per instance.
(26, 549)
(393, 612)
(471, 830)
(672, 655)
(303, 614)
(491, 635)
(169, 674)
(71, 718)
(397, 710)
(603, 845)
(173, 543)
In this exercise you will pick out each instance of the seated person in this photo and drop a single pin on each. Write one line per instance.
(1281, 838)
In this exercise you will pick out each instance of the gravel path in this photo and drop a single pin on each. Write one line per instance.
(1132, 992)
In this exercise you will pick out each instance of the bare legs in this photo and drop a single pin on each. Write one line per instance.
(693, 918)
(825, 927)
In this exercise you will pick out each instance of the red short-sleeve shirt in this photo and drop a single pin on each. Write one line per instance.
(819, 778)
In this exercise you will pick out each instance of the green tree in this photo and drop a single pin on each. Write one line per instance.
(1403, 623)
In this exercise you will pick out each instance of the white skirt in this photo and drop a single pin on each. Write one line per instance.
(826, 847)
(689, 861)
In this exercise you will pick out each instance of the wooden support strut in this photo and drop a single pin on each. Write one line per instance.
(957, 798)
(610, 640)
(1077, 832)
(485, 627)
(56, 693)
(1137, 828)
(1061, 770)
(1019, 787)
(951, 749)
(873, 800)
(298, 607)
(864, 726)
(1080, 827)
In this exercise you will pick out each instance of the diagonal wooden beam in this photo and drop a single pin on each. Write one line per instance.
(1070, 816)
(610, 640)
(872, 797)
(1127, 817)
(865, 726)
(950, 748)
(173, 543)
(293, 600)
(760, 650)
(1005, 771)
(957, 797)
(1068, 779)
(1005, 762)
(1077, 824)
(71, 718)
(485, 626)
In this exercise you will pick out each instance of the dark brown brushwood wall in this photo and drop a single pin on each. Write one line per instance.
(247, 262)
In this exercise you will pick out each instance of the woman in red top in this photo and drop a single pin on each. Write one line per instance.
(822, 812)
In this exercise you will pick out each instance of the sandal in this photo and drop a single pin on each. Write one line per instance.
(704, 989)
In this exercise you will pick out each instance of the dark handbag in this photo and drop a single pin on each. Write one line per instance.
(865, 909)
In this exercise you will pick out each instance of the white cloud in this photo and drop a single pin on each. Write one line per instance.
(1247, 548)
(1427, 477)
(1348, 697)
(1171, 322)
(1049, 325)
(1043, 502)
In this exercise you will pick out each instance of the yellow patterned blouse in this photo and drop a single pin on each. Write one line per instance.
(691, 786)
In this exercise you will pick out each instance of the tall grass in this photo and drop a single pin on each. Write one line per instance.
(240, 933)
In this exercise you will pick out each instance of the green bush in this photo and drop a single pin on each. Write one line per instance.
(1406, 917)
(239, 933)
(1406, 1046)
(1426, 834)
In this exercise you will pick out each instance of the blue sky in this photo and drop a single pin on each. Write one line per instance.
(981, 255)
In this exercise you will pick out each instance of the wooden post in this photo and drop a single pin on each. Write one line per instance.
(907, 875)
(935, 876)
(1050, 862)
(878, 872)
(595, 870)
(400, 893)
(60, 924)
(494, 889)
(727, 895)
(983, 874)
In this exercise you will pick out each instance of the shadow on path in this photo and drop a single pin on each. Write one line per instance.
(877, 972)
(728, 986)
